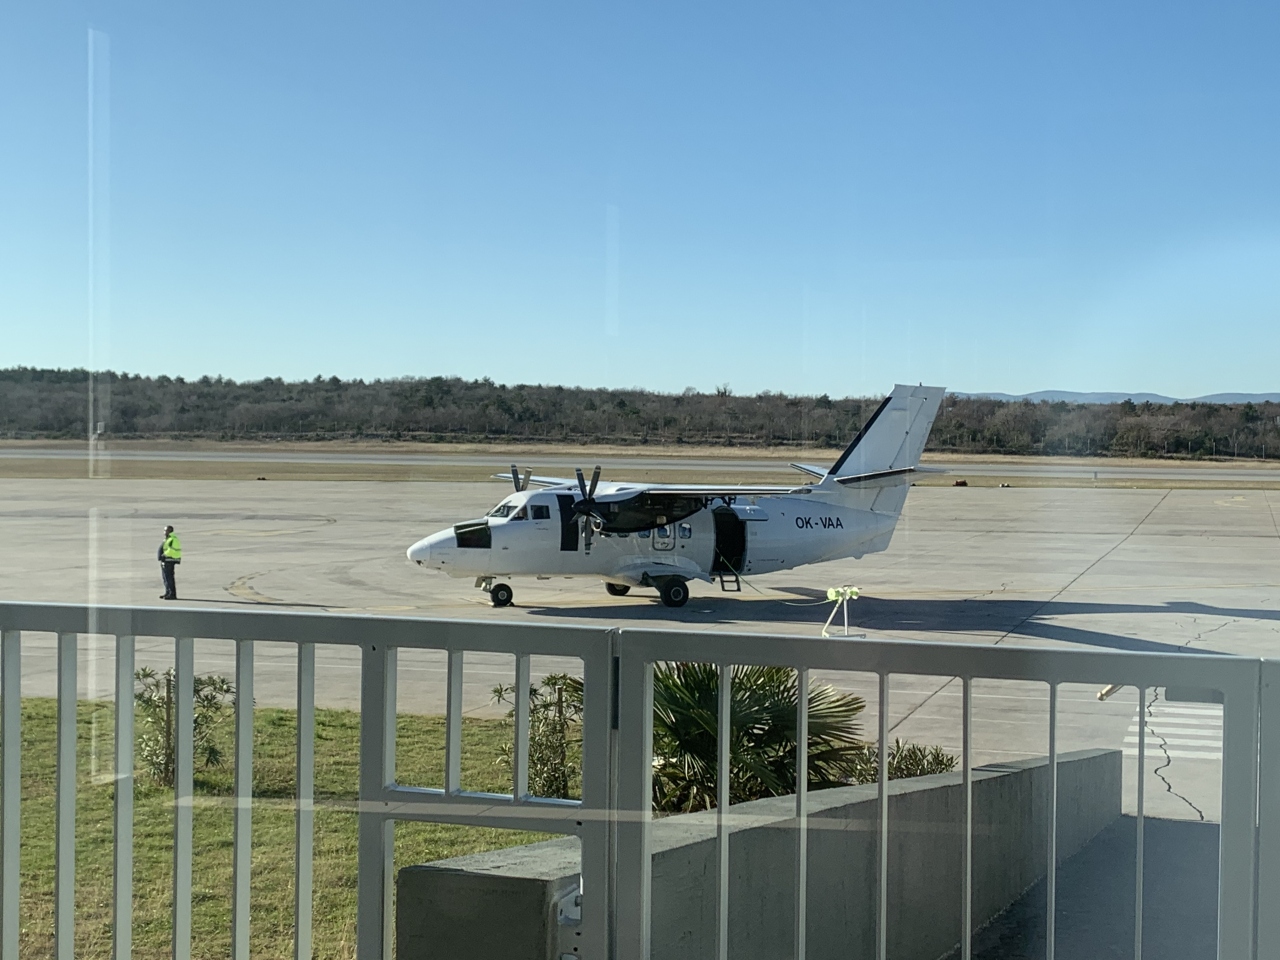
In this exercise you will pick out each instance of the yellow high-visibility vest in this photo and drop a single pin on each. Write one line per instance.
(172, 549)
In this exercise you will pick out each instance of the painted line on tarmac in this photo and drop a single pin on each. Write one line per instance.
(240, 587)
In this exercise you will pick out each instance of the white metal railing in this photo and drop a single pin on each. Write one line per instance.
(1246, 842)
(613, 817)
(381, 800)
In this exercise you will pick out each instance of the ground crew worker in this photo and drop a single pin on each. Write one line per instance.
(169, 555)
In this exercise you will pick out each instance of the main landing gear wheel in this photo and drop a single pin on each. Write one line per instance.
(674, 592)
(617, 589)
(501, 594)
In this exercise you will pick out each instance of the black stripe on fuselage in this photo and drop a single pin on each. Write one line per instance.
(835, 467)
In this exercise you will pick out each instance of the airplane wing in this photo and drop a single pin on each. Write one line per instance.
(720, 490)
(670, 489)
(540, 481)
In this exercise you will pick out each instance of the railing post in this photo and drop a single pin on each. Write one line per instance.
(1239, 836)
(520, 743)
(242, 832)
(453, 722)
(802, 812)
(597, 791)
(1269, 811)
(882, 825)
(64, 920)
(305, 815)
(10, 787)
(1051, 876)
(724, 740)
(635, 805)
(183, 773)
(1140, 825)
(122, 879)
(966, 877)
(375, 841)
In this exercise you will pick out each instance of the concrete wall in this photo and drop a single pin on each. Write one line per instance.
(501, 905)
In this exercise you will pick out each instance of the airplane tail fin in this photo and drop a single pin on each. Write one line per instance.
(892, 439)
(874, 472)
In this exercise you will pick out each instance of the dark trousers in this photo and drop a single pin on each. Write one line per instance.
(170, 585)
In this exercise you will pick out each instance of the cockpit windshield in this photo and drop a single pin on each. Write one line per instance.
(504, 509)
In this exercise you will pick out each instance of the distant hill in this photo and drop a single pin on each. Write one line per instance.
(1071, 396)
(1240, 398)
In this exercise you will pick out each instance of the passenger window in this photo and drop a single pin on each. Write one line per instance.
(686, 531)
(643, 534)
(663, 532)
(541, 511)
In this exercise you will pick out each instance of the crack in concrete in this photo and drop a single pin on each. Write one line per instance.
(1168, 760)
(1267, 500)
(1205, 633)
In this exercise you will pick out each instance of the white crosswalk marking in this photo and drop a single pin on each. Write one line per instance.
(1187, 731)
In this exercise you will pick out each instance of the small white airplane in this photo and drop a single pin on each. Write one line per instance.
(662, 535)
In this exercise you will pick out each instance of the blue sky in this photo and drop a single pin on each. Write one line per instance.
(822, 198)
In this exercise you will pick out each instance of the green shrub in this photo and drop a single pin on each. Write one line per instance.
(155, 718)
(555, 735)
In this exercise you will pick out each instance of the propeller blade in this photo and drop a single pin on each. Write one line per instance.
(524, 481)
(582, 483)
(586, 535)
(515, 478)
(595, 479)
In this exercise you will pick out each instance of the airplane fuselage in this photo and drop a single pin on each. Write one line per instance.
(528, 535)
(662, 535)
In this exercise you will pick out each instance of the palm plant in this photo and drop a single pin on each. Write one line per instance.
(762, 751)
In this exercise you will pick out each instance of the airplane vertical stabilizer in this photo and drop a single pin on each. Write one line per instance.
(893, 437)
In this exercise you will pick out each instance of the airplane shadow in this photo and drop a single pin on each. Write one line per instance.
(1020, 618)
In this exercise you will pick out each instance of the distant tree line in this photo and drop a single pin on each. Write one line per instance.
(56, 404)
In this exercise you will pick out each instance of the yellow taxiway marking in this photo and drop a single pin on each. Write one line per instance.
(252, 533)
(240, 588)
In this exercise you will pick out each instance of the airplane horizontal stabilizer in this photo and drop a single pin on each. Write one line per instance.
(811, 470)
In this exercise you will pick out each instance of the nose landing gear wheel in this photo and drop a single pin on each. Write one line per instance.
(501, 594)
(674, 593)
(617, 589)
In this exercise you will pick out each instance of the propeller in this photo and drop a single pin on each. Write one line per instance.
(521, 483)
(586, 508)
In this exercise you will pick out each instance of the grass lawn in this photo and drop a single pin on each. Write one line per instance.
(420, 762)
